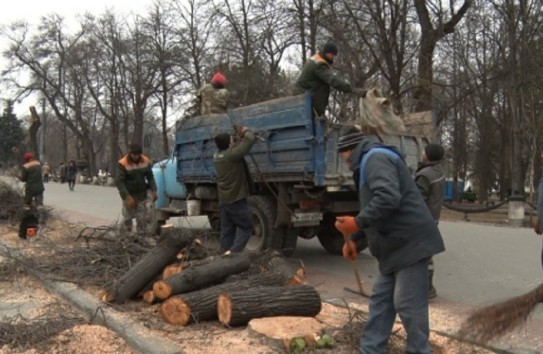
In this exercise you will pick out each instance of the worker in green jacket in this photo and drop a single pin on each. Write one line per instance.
(31, 175)
(233, 186)
(317, 77)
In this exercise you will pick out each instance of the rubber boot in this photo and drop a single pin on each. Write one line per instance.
(432, 293)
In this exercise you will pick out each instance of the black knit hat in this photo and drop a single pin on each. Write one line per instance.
(329, 47)
(349, 137)
(434, 152)
(135, 149)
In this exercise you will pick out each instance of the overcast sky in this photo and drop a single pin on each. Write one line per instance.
(32, 10)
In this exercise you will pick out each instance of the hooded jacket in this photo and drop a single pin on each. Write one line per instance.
(430, 180)
(398, 225)
(316, 77)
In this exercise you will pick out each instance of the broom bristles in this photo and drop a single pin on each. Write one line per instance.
(495, 320)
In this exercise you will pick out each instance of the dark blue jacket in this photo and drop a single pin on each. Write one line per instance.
(398, 225)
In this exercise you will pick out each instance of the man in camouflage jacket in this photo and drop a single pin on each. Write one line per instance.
(214, 96)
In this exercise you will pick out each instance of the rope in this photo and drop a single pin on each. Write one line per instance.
(472, 210)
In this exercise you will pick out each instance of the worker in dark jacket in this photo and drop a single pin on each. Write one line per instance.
(430, 179)
(317, 77)
(31, 175)
(233, 186)
(214, 96)
(401, 234)
(134, 181)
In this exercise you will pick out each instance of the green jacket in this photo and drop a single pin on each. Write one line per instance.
(317, 76)
(232, 179)
(213, 100)
(135, 178)
(31, 174)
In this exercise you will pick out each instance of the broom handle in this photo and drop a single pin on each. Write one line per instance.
(355, 270)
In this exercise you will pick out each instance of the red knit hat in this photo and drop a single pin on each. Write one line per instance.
(28, 156)
(219, 78)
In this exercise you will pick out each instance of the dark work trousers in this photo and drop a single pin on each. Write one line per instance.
(236, 225)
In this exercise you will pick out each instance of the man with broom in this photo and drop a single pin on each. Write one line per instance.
(399, 228)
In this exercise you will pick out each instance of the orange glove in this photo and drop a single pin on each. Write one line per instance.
(130, 202)
(346, 225)
(154, 196)
(349, 250)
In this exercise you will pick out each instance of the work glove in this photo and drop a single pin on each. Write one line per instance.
(130, 202)
(154, 196)
(349, 250)
(359, 91)
(346, 225)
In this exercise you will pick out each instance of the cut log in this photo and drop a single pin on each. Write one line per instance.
(135, 279)
(201, 305)
(239, 307)
(170, 270)
(200, 276)
(149, 297)
(291, 269)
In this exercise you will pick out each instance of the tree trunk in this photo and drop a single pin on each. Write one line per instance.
(201, 305)
(201, 276)
(238, 308)
(33, 131)
(149, 266)
(292, 270)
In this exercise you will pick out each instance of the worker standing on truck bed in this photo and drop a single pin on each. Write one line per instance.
(317, 77)
(214, 96)
(233, 187)
(401, 234)
(134, 179)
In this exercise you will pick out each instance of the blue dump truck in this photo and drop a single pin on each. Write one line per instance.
(300, 181)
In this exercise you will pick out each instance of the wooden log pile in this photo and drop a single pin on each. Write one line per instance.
(233, 288)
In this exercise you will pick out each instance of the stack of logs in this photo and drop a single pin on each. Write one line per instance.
(234, 288)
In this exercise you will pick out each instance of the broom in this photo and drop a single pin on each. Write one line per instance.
(495, 320)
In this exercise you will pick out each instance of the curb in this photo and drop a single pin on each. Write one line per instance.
(136, 336)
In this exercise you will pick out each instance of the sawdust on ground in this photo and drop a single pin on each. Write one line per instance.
(17, 288)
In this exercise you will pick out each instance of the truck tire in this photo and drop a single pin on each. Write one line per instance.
(263, 210)
(332, 240)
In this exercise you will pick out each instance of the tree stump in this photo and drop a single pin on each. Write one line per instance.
(200, 276)
(135, 279)
(201, 305)
(239, 307)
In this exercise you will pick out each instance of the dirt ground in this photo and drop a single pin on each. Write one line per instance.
(40, 322)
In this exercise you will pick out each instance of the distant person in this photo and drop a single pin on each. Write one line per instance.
(136, 185)
(31, 175)
(233, 186)
(62, 172)
(214, 96)
(317, 77)
(71, 174)
(46, 171)
(430, 179)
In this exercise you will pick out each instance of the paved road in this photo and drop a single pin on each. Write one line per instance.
(482, 265)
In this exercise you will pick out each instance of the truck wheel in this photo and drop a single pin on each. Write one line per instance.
(284, 240)
(263, 210)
